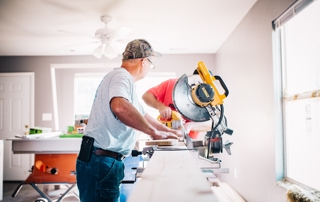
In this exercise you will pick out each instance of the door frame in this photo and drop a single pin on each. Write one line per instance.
(31, 75)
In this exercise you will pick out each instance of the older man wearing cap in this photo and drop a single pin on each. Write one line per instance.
(115, 117)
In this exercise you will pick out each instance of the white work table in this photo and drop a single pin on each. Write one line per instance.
(172, 176)
(46, 145)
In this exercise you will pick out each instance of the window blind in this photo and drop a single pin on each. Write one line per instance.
(290, 12)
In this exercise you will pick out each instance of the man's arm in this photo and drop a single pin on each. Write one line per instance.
(151, 100)
(130, 116)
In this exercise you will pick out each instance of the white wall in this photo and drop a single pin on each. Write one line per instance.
(245, 63)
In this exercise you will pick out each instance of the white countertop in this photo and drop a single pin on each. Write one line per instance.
(45, 145)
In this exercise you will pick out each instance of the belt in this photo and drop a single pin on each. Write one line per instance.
(102, 152)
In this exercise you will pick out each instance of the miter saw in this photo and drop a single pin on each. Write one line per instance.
(199, 100)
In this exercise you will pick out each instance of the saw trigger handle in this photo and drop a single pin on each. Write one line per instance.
(175, 122)
(226, 91)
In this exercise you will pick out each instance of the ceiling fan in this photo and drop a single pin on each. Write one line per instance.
(106, 37)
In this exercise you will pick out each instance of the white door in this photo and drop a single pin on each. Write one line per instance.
(16, 115)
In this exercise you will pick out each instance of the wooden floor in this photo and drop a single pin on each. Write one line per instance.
(28, 194)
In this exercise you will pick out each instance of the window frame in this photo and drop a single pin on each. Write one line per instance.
(280, 87)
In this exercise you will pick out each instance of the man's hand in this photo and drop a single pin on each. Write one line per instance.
(164, 135)
(179, 132)
(165, 112)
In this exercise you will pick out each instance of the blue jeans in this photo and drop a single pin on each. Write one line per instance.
(99, 179)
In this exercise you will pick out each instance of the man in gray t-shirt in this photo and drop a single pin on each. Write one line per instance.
(115, 117)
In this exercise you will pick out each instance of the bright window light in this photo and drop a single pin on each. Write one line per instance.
(86, 84)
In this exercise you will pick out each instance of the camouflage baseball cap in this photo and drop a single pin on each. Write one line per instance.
(139, 48)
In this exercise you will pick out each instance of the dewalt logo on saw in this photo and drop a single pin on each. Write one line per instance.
(205, 92)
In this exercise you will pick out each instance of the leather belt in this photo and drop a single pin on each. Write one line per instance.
(102, 152)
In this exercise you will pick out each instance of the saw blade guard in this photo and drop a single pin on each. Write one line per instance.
(192, 97)
(183, 102)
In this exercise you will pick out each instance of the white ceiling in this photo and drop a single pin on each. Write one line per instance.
(31, 27)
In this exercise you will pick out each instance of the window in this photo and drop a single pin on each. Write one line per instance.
(298, 42)
(86, 84)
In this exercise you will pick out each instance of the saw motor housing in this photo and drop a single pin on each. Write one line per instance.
(208, 81)
(202, 94)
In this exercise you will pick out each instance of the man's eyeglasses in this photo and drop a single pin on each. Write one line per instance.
(151, 64)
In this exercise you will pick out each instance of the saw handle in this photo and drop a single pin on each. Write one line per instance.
(226, 91)
(172, 122)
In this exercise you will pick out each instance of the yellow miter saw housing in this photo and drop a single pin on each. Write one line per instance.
(201, 101)
(207, 93)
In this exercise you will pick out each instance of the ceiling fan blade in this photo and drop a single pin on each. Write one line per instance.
(82, 43)
(67, 32)
(118, 33)
(98, 51)
(109, 52)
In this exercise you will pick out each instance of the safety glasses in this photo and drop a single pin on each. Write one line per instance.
(151, 64)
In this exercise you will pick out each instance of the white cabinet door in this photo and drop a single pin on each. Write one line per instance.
(16, 116)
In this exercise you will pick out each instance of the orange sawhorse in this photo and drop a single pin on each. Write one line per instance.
(66, 165)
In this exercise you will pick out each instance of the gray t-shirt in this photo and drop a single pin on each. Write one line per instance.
(107, 130)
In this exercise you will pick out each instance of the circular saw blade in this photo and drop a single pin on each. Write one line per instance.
(184, 104)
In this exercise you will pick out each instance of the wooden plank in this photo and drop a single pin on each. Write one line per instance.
(166, 142)
(172, 176)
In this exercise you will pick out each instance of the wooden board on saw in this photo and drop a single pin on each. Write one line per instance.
(164, 142)
(172, 176)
